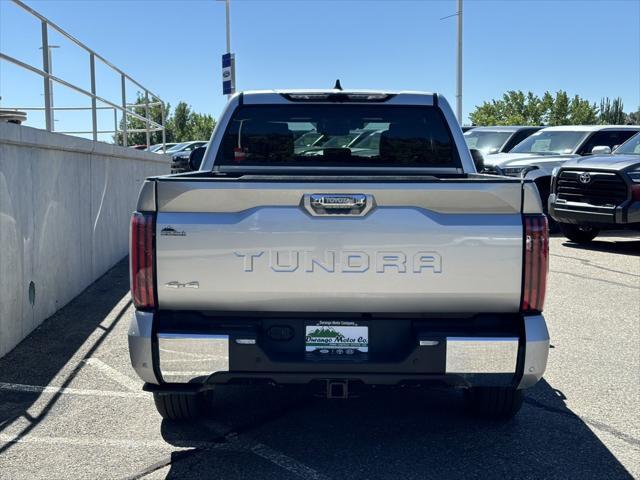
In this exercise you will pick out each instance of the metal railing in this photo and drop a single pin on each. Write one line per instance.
(127, 110)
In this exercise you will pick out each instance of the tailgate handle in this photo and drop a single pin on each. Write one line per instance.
(357, 204)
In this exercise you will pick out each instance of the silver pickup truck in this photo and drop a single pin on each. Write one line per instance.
(338, 267)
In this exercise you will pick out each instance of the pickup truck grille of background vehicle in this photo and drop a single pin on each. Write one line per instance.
(602, 189)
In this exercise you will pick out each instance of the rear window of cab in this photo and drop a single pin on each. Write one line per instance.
(317, 135)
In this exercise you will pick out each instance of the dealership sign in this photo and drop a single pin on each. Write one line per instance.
(228, 73)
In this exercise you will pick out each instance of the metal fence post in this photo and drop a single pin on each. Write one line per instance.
(115, 126)
(124, 110)
(146, 115)
(48, 112)
(94, 112)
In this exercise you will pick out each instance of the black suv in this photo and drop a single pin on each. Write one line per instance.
(599, 192)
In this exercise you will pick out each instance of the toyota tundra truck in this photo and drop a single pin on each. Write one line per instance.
(599, 192)
(339, 268)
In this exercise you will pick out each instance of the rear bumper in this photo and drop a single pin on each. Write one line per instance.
(173, 358)
(625, 214)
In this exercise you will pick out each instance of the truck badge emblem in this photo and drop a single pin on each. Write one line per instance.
(169, 231)
(175, 284)
(329, 201)
(585, 178)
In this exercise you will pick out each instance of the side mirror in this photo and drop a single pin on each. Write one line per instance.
(195, 158)
(601, 150)
(478, 159)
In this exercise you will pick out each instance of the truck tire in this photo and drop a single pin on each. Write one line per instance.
(498, 403)
(179, 406)
(579, 233)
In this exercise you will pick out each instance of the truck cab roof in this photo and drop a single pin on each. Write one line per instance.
(276, 96)
(257, 132)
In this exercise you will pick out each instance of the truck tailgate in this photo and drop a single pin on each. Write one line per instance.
(439, 247)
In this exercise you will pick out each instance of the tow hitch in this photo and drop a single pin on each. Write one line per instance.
(338, 389)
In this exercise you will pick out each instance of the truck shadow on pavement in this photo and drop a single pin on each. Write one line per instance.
(399, 433)
(623, 242)
(631, 248)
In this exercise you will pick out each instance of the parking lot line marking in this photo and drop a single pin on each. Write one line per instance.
(288, 463)
(115, 375)
(106, 442)
(589, 263)
(18, 387)
(610, 282)
(594, 423)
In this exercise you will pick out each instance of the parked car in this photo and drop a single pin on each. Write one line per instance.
(499, 139)
(536, 156)
(138, 147)
(308, 139)
(180, 155)
(338, 270)
(185, 146)
(599, 192)
(351, 140)
(180, 160)
(160, 148)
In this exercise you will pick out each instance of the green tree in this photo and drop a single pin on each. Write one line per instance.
(559, 114)
(513, 109)
(133, 123)
(179, 123)
(201, 126)
(581, 112)
(633, 118)
(184, 125)
(546, 105)
(611, 112)
(487, 114)
(517, 108)
(534, 110)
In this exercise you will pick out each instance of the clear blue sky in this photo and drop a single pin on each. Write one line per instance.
(590, 48)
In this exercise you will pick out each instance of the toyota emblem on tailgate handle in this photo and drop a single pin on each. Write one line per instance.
(357, 204)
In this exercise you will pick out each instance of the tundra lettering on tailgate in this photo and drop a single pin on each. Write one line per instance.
(345, 261)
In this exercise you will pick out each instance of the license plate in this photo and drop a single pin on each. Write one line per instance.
(337, 337)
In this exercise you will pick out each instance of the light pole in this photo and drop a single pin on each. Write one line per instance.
(228, 60)
(228, 27)
(458, 62)
(459, 67)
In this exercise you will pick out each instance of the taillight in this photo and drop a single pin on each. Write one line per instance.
(141, 260)
(536, 262)
(635, 191)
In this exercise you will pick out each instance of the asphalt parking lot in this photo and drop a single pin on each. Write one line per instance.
(72, 407)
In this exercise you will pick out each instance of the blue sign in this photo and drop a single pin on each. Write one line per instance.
(228, 73)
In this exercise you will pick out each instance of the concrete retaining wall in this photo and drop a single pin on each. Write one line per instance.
(65, 204)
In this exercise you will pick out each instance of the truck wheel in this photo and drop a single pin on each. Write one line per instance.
(179, 406)
(498, 403)
(579, 233)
